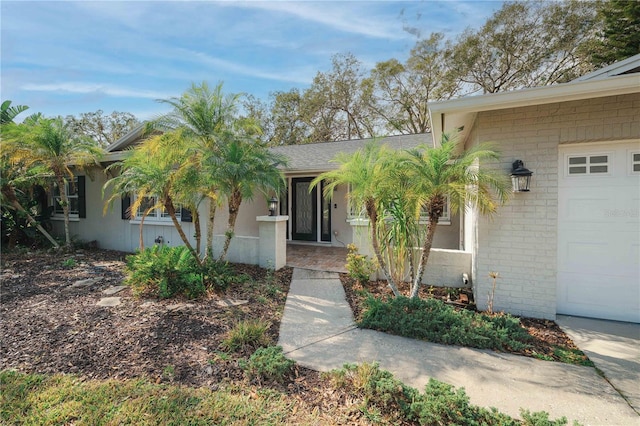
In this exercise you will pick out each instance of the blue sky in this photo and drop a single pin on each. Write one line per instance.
(64, 58)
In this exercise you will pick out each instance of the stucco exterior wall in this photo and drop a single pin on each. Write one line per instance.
(520, 243)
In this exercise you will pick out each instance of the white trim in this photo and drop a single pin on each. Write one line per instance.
(455, 113)
(614, 69)
(631, 162)
(587, 164)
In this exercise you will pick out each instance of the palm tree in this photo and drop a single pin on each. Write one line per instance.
(8, 113)
(241, 168)
(48, 143)
(153, 171)
(205, 116)
(368, 173)
(448, 172)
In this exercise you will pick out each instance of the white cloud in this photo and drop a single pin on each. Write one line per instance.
(88, 88)
(351, 17)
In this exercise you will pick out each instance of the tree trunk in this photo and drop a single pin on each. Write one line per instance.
(234, 206)
(144, 216)
(424, 256)
(196, 223)
(10, 194)
(373, 220)
(65, 208)
(168, 204)
(213, 204)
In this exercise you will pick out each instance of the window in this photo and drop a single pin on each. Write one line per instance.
(635, 162)
(75, 191)
(588, 164)
(157, 214)
(445, 218)
(359, 212)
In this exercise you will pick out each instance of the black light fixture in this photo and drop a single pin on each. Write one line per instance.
(520, 177)
(273, 206)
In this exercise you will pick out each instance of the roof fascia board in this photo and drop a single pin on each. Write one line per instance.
(616, 68)
(572, 91)
(126, 140)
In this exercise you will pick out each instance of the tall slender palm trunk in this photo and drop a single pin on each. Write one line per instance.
(373, 220)
(65, 208)
(171, 209)
(424, 256)
(234, 206)
(212, 216)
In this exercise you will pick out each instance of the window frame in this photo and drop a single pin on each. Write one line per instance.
(632, 163)
(57, 213)
(588, 164)
(445, 219)
(158, 215)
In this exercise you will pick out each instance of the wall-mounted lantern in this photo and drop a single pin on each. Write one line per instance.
(273, 206)
(520, 177)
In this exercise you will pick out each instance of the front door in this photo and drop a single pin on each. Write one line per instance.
(304, 207)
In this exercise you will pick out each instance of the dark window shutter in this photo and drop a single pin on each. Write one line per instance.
(126, 203)
(186, 215)
(82, 200)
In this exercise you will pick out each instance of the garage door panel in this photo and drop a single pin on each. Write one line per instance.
(602, 296)
(599, 237)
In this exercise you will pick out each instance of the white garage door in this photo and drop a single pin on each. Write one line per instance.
(599, 231)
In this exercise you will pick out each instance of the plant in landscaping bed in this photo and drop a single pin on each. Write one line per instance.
(165, 271)
(360, 267)
(439, 404)
(435, 321)
(219, 275)
(267, 364)
(247, 334)
(69, 263)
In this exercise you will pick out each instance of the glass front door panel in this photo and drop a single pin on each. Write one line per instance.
(304, 210)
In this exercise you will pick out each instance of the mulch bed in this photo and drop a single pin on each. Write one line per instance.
(546, 335)
(47, 326)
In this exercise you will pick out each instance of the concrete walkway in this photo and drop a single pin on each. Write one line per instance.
(318, 332)
(614, 347)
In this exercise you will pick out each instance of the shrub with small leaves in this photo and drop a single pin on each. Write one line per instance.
(439, 404)
(220, 275)
(359, 267)
(267, 365)
(435, 321)
(164, 271)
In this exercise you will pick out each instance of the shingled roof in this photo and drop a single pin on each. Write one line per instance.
(317, 156)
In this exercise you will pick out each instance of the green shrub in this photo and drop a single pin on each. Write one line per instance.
(268, 364)
(435, 321)
(439, 404)
(541, 418)
(69, 263)
(219, 275)
(165, 271)
(358, 266)
(249, 334)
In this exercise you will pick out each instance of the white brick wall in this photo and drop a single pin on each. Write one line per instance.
(520, 242)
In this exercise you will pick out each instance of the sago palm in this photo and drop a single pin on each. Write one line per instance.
(449, 172)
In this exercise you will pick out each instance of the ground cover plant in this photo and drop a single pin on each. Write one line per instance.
(65, 360)
(439, 316)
